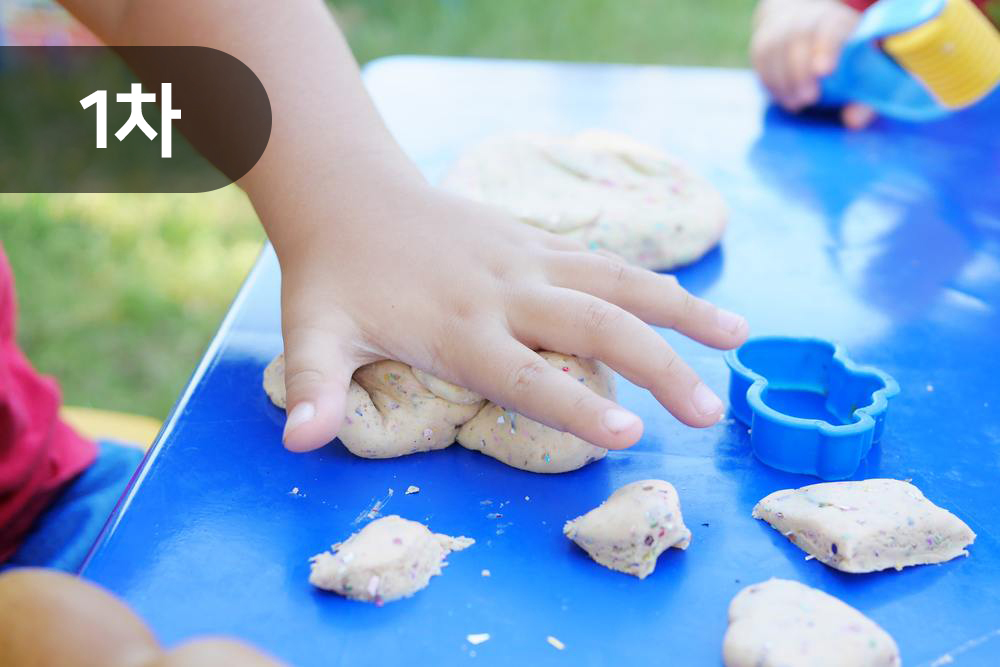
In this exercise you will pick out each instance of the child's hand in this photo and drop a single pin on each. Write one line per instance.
(797, 42)
(376, 264)
(467, 293)
(53, 618)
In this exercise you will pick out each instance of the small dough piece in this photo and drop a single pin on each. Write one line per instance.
(602, 188)
(390, 413)
(529, 445)
(630, 529)
(274, 381)
(388, 559)
(866, 526)
(782, 623)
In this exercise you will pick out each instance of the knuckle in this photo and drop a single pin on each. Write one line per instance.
(683, 308)
(666, 366)
(598, 317)
(525, 377)
(618, 273)
(688, 304)
(303, 379)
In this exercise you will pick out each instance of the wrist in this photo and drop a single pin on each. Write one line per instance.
(330, 209)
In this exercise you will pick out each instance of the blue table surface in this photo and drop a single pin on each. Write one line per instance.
(886, 240)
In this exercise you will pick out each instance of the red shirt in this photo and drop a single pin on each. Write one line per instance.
(39, 453)
(862, 5)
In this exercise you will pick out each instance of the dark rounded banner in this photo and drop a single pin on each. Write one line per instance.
(128, 119)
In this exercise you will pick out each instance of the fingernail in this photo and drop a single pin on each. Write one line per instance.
(731, 322)
(705, 401)
(617, 420)
(300, 414)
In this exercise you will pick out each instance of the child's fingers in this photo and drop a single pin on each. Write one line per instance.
(653, 297)
(511, 375)
(769, 60)
(857, 116)
(317, 375)
(576, 323)
(213, 652)
(802, 80)
(829, 37)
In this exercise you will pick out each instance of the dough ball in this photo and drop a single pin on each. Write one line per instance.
(526, 444)
(630, 529)
(390, 413)
(605, 189)
(781, 623)
(274, 381)
(866, 526)
(388, 559)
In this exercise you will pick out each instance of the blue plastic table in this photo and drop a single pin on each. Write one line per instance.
(886, 240)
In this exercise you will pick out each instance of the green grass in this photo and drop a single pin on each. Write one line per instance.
(120, 294)
(710, 32)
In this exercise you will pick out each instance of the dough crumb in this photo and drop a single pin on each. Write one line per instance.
(780, 622)
(555, 643)
(410, 490)
(485, 573)
(478, 638)
(388, 559)
(866, 526)
(630, 529)
(294, 491)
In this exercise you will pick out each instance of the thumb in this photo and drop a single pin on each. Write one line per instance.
(317, 375)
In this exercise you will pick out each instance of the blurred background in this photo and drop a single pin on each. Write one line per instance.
(120, 294)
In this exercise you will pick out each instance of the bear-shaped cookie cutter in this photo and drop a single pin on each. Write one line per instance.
(810, 409)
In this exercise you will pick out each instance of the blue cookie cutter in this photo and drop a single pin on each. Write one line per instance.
(810, 409)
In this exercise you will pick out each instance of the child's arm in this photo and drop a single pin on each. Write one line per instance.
(377, 264)
(797, 42)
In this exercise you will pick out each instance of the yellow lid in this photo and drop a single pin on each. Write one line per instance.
(956, 55)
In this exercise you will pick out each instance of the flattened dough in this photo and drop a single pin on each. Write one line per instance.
(602, 188)
(782, 623)
(394, 410)
(630, 529)
(388, 559)
(866, 526)
(526, 444)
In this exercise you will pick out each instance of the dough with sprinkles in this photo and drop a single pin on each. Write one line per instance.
(389, 411)
(394, 410)
(388, 559)
(866, 526)
(602, 188)
(274, 381)
(529, 445)
(782, 623)
(630, 529)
